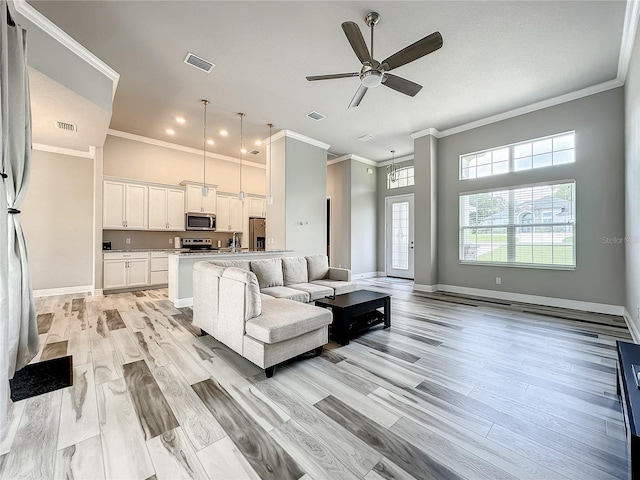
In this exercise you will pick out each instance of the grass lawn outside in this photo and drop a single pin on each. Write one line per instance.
(533, 254)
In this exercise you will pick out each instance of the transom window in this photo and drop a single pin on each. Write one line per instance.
(532, 226)
(540, 152)
(404, 178)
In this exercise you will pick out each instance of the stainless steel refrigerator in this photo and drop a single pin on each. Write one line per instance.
(257, 228)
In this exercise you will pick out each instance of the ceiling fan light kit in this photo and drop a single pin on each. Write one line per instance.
(374, 73)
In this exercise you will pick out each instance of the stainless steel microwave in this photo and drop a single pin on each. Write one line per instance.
(201, 221)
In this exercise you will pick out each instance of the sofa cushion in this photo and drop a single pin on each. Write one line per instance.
(338, 286)
(283, 319)
(294, 270)
(268, 271)
(286, 292)
(315, 291)
(243, 264)
(318, 267)
(253, 302)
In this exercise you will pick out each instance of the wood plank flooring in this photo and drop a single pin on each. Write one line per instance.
(458, 387)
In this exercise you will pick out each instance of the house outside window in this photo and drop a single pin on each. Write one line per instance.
(541, 152)
(530, 226)
(404, 178)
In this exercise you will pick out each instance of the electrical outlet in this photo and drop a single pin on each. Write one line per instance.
(498, 280)
(128, 241)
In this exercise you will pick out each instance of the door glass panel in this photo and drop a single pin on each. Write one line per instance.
(400, 236)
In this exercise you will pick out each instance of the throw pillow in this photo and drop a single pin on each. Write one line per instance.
(294, 270)
(269, 272)
(318, 266)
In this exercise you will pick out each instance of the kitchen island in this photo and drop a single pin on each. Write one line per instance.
(181, 269)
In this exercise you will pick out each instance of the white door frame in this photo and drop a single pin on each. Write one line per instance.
(387, 200)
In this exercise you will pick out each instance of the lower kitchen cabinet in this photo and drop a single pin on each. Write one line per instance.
(159, 268)
(125, 270)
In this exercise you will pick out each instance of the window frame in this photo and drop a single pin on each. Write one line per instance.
(514, 226)
(407, 168)
(511, 161)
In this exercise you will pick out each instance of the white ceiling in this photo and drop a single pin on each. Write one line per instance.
(497, 56)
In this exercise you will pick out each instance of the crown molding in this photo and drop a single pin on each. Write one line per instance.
(55, 32)
(406, 158)
(631, 16)
(41, 147)
(181, 148)
(355, 158)
(297, 136)
(427, 131)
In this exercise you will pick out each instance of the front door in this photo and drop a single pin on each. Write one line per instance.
(399, 236)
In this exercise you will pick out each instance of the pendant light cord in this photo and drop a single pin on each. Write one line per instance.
(270, 165)
(204, 146)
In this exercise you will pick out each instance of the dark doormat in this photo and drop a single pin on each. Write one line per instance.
(42, 377)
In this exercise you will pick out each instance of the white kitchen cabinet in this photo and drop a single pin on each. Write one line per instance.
(166, 209)
(257, 206)
(125, 206)
(125, 270)
(198, 203)
(159, 270)
(229, 216)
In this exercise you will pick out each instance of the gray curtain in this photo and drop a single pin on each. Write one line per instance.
(19, 326)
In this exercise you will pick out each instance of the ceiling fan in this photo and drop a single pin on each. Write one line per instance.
(374, 73)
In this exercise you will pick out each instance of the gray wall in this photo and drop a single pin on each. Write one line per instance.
(382, 193)
(57, 217)
(306, 198)
(426, 211)
(363, 218)
(632, 177)
(599, 173)
(339, 189)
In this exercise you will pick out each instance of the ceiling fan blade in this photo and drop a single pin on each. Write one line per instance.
(329, 77)
(354, 35)
(357, 98)
(419, 49)
(401, 85)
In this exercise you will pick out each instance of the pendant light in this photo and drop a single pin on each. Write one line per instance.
(205, 189)
(392, 169)
(242, 150)
(270, 196)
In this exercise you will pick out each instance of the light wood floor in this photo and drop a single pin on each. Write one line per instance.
(457, 388)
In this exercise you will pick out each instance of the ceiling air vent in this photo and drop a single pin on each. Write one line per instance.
(199, 63)
(316, 116)
(365, 138)
(69, 127)
(254, 152)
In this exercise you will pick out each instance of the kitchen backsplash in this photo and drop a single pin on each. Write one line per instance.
(142, 239)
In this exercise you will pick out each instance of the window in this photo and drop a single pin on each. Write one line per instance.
(404, 178)
(531, 226)
(541, 152)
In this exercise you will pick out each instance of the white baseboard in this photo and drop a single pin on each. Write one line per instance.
(360, 276)
(381, 274)
(537, 300)
(183, 302)
(98, 292)
(635, 333)
(425, 288)
(50, 292)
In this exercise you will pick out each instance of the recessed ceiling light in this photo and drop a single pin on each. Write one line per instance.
(170, 131)
(210, 142)
(258, 142)
(180, 120)
(224, 133)
(243, 150)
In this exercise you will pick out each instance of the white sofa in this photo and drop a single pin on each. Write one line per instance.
(303, 279)
(228, 304)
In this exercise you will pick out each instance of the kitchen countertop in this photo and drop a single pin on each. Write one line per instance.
(226, 251)
(168, 250)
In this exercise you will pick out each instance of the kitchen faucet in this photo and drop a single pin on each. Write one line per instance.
(234, 242)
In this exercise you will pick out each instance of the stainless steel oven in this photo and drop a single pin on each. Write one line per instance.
(201, 221)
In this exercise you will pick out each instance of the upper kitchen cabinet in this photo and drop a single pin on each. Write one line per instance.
(257, 206)
(166, 208)
(229, 216)
(125, 206)
(197, 202)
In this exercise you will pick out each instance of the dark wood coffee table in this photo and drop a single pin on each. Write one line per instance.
(349, 305)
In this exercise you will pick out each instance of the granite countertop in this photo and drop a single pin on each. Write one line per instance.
(168, 250)
(226, 251)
